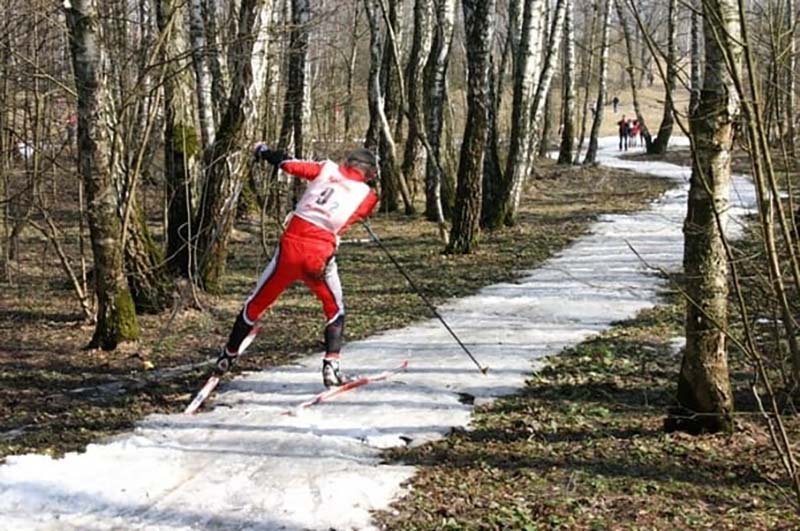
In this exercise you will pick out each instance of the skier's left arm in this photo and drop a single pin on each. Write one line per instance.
(303, 169)
(364, 210)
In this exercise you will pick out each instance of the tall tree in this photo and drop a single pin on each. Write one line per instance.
(566, 151)
(591, 152)
(704, 392)
(205, 103)
(223, 161)
(116, 316)
(181, 142)
(526, 74)
(437, 201)
(661, 141)
(421, 40)
(479, 18)
(791, 81)
(587, 69)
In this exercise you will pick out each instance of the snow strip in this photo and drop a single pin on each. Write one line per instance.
(247, 465)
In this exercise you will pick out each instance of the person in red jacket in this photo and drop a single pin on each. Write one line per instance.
(337, 196)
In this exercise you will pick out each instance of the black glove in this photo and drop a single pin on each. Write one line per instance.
(274, 157)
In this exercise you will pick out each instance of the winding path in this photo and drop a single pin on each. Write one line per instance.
(248, 465)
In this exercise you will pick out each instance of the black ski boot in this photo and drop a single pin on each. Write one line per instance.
(225, 362)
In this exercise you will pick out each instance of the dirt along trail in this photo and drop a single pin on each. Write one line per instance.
(248, 465)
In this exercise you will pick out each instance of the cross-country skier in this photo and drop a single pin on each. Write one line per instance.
(337, 195)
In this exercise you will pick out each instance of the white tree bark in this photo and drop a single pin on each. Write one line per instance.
(435, 89)
(539, 98)
(526, 80)
(566, 149)
(205, 104)
(591, 152)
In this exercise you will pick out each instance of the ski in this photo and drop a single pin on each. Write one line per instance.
(349, 386)
(213, 380)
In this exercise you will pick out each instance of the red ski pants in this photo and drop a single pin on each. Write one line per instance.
(296, 258)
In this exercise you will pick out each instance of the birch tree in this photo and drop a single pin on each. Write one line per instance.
(566, 151)
(223, 161)
(661, 141)
(704, 392)
(437, 201)
(479, 18)
(591, 152)
(116, 316)
(205, 104)
(526, 72)
(421, 40)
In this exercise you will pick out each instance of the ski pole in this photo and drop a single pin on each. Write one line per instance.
(422, 296)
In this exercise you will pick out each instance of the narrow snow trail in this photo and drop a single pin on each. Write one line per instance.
(248, 465)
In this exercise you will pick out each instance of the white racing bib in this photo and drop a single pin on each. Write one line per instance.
(331, 198)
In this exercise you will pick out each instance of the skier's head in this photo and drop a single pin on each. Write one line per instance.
(364, 161)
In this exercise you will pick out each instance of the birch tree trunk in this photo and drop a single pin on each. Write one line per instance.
(704, 383)
(374, 92)
(588, 68)
(539, 107)
(180, 139)
(566, 151)
(224, 161)
(351, 71)
(696, 77)
(591, 152)
(436, 206)
(421, 41)
(526, 72)
(791, 72)
(479, 17)
(205, 104)
(660, 143)
(116, 316)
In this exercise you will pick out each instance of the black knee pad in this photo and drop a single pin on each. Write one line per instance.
(240, 331)
(334, 332)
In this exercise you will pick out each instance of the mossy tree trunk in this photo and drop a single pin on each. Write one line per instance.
(705, 403)
(148, 276)
(116, 315)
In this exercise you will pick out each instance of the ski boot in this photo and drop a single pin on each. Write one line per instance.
(331, 374)
(225, 362)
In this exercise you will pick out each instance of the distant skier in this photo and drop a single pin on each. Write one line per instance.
(615, 104)
(337, 196)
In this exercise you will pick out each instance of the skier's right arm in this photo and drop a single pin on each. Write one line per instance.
(299, 168)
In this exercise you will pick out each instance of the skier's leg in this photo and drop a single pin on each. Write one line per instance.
(275, 278)
(328, 290)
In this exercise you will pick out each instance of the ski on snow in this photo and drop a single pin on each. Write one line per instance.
(348, 386)
(213, 380)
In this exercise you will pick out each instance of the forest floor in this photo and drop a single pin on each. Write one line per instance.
(583, 445)
(580, 448)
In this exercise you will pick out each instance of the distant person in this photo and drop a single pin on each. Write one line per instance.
(615, 104)
(72, 124)
(624, 131)
(636, 130)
